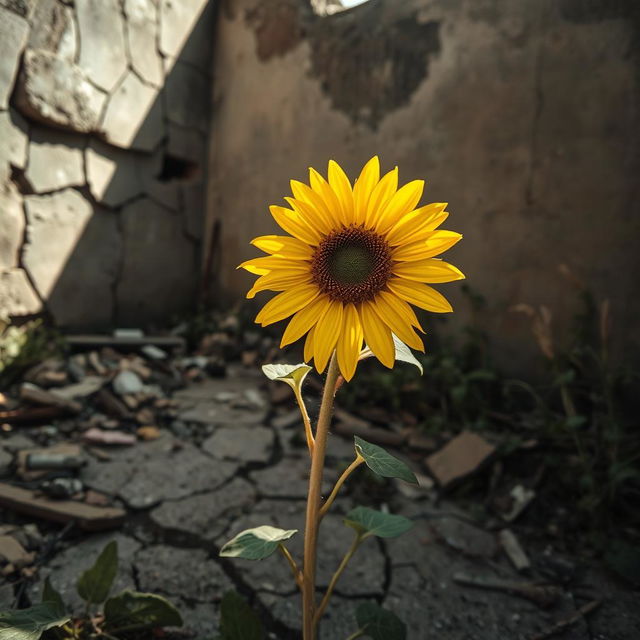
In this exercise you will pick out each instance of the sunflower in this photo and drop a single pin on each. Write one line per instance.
(355, 260)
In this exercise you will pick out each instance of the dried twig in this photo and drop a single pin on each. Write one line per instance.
(567, 622)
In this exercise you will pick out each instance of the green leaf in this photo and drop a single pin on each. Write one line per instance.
(29, 624)
(383, 463)
(94, 584)
(49, 594)
(292, 374)
(379, 623)
(404, 354)
(133, 610)
(237, 620)
(369, 522)
(256, 544)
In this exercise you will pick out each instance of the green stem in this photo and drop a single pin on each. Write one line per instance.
(358, 634)
(297, 574)
(305, 418)
(347, 472)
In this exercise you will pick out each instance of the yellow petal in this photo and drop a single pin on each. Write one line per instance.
(397, 323)
(415, 224)
(368, 179)
(287, 303)
(304, 320)
(403, 201)
(342, 188)
(421, 295)
(278, 282)
(380, 196)
(403, 308)
(377, 335)
(430, 270)
(436, 242)
(258, 271)
(284, 246)
(275, 263)
(303, 192)
(308, 345)
(294, 224)
(326, 334)
(349, 342)
(320, 186)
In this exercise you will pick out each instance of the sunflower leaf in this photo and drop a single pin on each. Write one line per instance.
(382, 462)
(29, 624)
(257, 543)
(404, 354)
(369, 522)
(292, 374)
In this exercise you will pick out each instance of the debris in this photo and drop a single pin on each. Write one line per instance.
(61, 488)
(461, 457)
(36, 395)
(31, 415)
(464, 537)
(130, 340)
(350, 425)
(48, 373)
(286, 420)
(53, 461)
(544, 596)
(96, 363)
(13, 552)
(88, 386)
(99, 436)
(111, 405)
(148, 433)
(521, 498)
(513, 549)
(254, 398)
(127, 382)
(420, 442)
(153, 353)
(567, 622)
(88, 517)
(249, 358)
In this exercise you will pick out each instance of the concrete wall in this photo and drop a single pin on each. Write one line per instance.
(522, 115)
(104, 116)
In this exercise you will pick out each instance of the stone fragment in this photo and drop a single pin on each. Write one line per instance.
(13, 150)
(55, 161)
(66, 237)
(133, 118)
(142, 19)
(155, 245)
(187, 97)
(23, 8)
(188, 573)
(12, 227)
(102, 44)
(17, 297)
(127, 382)
(464, 537)
(56, 92)
(55, 29)
(208, 514)
(216, 414)
(462, 456)
(12, 551)
(13, 37)
(514, 550)
(246, 444)
(6, 460)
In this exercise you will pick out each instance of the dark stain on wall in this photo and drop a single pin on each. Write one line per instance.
(277, 28)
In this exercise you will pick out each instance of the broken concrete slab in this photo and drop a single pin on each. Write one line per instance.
(13, 37)
(214, 413)
(464, 537)
(56, 92)
(142, 20)
(245, 444)
(459, 458)
(514, 551)
(133, 118)
(187, 92)
(102, 42)
(15, 139)
(55, 29)
(12, 228)
(17, 297)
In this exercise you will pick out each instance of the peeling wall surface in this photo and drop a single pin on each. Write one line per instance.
(522, 115)
(104, 116)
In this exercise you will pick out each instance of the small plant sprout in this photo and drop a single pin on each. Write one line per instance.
(355, 260)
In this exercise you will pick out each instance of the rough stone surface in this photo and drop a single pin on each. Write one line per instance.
(17, 296)
(188, 97)
(142, 19)
(133, 118)
(12, 228)
(186, 143)
(66, 237)
(158, 260)
(464, 537)
(55, 161)
(13, 150)
(56, 92)
(188, 573)
(13, 36)
(177, 23)
(23, 8)
(206, 515)
(6, 459)
(246, 444)
(102, 44)
(193, 200)
(216, 414)
(54, 30)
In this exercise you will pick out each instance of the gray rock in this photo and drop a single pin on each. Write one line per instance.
(464, 537)
(142, 20)
(102, 44)
(66, 567)
(155, 245)
(127, 382)
(6, 460)
(54, 30)
(215, 413)
(55, 161)
(17, 442)
(133, 118)
(12, 227)
(58, 93)
(188, 573)
(200, 620)
(188, 97)
(13, 150)
(13, 37)
(246, 444)
(206, 515)
(23, 8)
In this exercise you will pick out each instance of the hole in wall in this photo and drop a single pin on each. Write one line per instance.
(325, 8)
(177, 169)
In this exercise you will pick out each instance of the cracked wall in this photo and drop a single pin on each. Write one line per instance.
(104, 116)
(523, 116)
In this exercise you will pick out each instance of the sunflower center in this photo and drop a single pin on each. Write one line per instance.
(351, 265)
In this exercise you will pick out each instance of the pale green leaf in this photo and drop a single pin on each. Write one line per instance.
(237, 620)
(382, 462)
(29, 624)
(94, 584)
(257, 543)
(369, 522)
(135, 611)
(292, 374)
(403, 353)
(380, 624)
